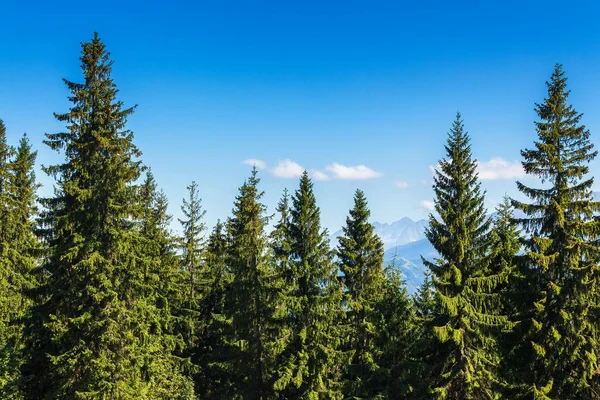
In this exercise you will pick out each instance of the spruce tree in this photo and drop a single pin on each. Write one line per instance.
(89, 338)
(253, 293)
(425, 349)
(559, 348)
(398, 375)
(504, 245)
(464, 287)
(360, 259)
(192, 241)
(214, 377)
(310, 367)
(19, 251)
(159, 298)
(191, 245)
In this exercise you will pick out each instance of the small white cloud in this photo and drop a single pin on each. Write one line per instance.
(401, 184)
(498, 168)
(253, 162)
(319, 176)
(427, 205)
(495, 169)
(359, 172)
(287, 169)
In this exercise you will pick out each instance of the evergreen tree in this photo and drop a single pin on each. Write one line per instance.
(311, 364)
(465, 288)
(281, 245)
(19, 251)
(360, 259)
(398, 376)
(191, 245)
(159, 296)
(505, 243)
(253, 292)
(95, 334)
(425, 350)
(214, 378)
(559, 349)
(192, 242)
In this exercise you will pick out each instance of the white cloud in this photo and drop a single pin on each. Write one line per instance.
(319, 176)
(498, 168)
(359, 172)
(495, 169)
(401, 184)
(427, 205)
(287, 169)
(253, 162)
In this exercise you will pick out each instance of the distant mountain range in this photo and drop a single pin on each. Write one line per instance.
(404, 243)
(395, 234)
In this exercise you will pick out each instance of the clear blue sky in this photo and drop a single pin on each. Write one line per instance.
(326, 85)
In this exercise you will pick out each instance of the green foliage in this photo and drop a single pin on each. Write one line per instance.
(399, 375)
(98, 332)
(253, 297)
(19, 249)
(466, 290)
(211, 350)
(556, 356)
(310, 367)
(360, 259)
(100, 300)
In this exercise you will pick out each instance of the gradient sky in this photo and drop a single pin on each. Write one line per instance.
(324, 85)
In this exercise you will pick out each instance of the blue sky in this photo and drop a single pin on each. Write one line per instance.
(360, 92)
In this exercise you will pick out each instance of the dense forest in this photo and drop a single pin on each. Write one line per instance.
(99, 299)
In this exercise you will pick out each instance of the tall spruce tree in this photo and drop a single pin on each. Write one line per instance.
(19, 251)
(464, 287)
(360, 259)
(89, 337)
(559, 349)
(252, 304)
(310, 367)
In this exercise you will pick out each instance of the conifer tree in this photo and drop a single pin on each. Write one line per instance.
(192, 242)
(398, 375)
(425, 350)
(464, 287)
(8, 353)
(558, 351)
(281, 245)
(214, 377)
(310, 366)
(253, 291)
(360, 259)
(19, 251)
(505, 243)
(162, 285)
(89, 338)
